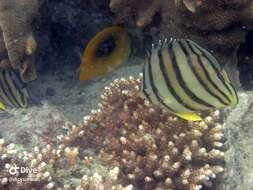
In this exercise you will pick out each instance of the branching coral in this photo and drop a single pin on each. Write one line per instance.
(53, 168)
(15, 24)
(152, 148)
(136, 144)
(9, 158)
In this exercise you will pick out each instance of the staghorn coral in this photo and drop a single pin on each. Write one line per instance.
(15, 28)
(152, 148)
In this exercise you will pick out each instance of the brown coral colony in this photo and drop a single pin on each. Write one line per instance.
(153, 149)
(145, 147)
(142, 145)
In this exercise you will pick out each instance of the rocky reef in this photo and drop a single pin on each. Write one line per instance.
(221, 22)
(138, 144)
(16, 36)
(219, 25)
(126, 143)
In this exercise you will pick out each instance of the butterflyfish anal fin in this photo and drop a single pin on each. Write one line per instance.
(189, 116)
(2, 106)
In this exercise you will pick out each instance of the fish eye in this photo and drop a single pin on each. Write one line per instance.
(106, 47)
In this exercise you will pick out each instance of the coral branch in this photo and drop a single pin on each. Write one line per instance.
(152, 148)
(138, 145)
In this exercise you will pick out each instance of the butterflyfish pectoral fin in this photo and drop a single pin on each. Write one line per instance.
(189, 116)
(2, 106)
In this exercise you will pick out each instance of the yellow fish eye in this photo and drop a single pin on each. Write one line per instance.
(108, 50)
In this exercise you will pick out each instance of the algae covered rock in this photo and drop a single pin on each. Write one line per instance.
(15, 25)
(239, 156)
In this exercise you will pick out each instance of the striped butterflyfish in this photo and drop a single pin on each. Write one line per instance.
(13, 91)
(186, 79)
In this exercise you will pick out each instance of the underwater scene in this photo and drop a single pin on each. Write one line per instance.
(126, 95)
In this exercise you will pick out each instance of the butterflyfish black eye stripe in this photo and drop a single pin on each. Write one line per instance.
(148, 91)
(196, 70)
(183, 83)
(153, 87)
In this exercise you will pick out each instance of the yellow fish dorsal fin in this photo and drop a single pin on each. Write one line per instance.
(189, 116)
(2, 106)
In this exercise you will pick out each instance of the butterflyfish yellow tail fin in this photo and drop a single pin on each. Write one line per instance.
(2, 106)
(189, 116)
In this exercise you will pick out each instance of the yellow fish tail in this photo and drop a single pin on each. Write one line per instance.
(2, 106)
(189, 116)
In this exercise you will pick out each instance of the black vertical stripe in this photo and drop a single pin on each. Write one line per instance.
(1, 95)
(15, 101)
(1, 98)
(207, 74)
(168, 83)
(22, 98)
(189, 60)
(214, 67)
(182, 82)
(154, 89)
(144, 81)
(2, 85)
(19, 86)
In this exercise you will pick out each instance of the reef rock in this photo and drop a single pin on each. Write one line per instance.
(15, 25)
(219, 25)
(239, 156)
